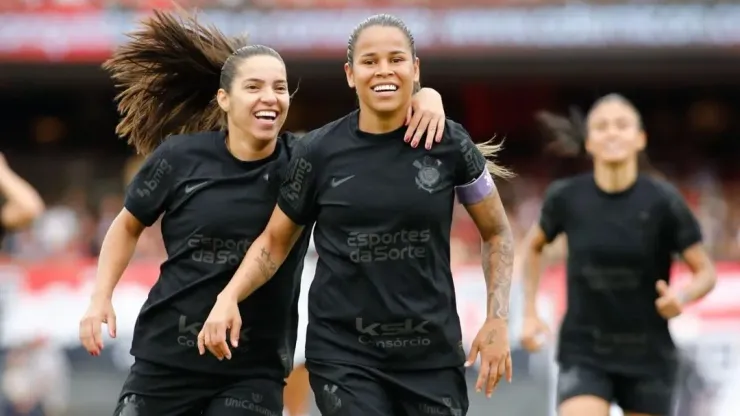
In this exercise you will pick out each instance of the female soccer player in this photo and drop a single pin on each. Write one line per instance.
(383, 335)
(623, 228)
(215, 190)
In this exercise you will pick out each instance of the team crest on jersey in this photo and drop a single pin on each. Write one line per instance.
(428, 176)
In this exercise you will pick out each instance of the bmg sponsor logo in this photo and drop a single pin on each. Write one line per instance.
(406, 244)
(253, 404)
(397, 334)
(212, 250)
(187, 334)
(296, 182)
(474, 160)
(159, 171)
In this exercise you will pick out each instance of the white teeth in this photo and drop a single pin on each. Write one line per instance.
(266, 114)
(387, 87)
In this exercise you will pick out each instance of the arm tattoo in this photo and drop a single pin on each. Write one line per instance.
(498, 264)
(266, 265)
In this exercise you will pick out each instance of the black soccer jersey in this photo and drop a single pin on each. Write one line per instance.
(214, 206)
(619, 246)
(383, 293)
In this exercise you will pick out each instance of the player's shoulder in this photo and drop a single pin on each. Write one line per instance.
(660, 185)
(289, 138)
(456, 134)
(456, 141)
(563, 186)
(318, 142)
(661, 188)
(182, 144)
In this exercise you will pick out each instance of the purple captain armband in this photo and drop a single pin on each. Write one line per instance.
(474, 192)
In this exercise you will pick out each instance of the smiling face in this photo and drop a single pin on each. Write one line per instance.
(257, 100)
(615, 133)
(383, 69)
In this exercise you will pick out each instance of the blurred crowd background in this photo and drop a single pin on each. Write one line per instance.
(495, 62)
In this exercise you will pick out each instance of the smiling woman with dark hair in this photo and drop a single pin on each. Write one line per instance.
(384, 334)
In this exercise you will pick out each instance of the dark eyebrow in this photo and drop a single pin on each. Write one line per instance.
(262, 81)
(398, 52)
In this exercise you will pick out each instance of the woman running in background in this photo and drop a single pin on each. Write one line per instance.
(207, 111)
(623, 228)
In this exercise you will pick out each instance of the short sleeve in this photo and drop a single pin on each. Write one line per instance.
(297, 196)
(551, 215)
(684, 229)
(471, 164)
(149, 193)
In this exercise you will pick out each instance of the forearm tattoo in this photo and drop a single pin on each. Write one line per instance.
(498, 265)
(266, 265)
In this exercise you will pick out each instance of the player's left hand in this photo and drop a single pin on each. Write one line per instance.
(669, 303)
(426, 115)
(224, 317)
(492, 342)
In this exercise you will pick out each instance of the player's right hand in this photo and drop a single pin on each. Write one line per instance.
(98, 313)
(224, 317)
(534, 333)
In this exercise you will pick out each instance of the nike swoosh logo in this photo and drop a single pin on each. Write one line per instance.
(191, 188)
(336, 182)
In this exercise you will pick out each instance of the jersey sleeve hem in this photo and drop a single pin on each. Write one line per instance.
(550, 215)
(139, 212)
(688, 242)
(550, 233)
(291, 213)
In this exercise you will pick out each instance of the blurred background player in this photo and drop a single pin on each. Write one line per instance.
(623, 227)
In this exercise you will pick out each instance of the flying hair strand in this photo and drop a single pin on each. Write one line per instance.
(490, 151)
(169, 72)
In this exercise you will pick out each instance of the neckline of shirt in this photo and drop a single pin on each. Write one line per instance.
(244, 164)
(354, 124)
(616, 194)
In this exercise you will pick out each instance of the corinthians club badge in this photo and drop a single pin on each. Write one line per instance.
(428, 176)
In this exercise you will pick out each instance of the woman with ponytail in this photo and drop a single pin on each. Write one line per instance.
(624, 224)
(206, 110)
(383, 332)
